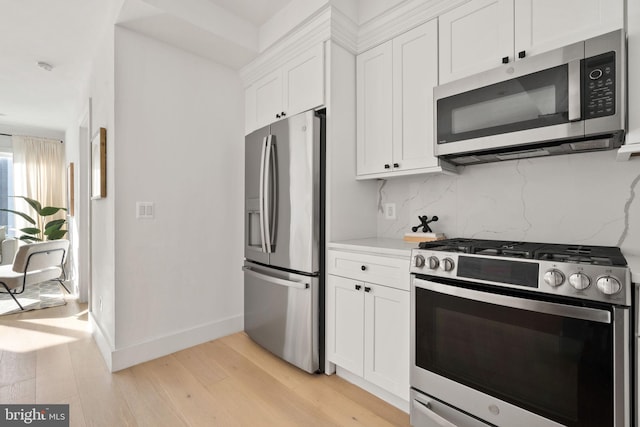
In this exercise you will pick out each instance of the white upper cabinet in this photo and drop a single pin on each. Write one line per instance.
(295, 87)
(395, 82)
(374, 83)
(543, 25)
(303, 82)
(267, 98)
(631, 148)
(475, 37)
(483, 34)
(415, 71)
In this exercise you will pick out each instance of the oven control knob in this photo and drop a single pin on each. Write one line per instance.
(434, 262)
(608, 285)
(447, 264)
(554, 278)
(419, 261)
(579, 281)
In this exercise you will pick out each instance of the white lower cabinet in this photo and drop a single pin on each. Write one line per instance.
(367, 328)
(345, 323)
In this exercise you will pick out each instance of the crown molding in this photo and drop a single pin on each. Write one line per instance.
(327, 23)
(344, 31)
(400, 19)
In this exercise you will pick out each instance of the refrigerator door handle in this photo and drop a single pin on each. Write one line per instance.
(261, 201)
(267, 194)
(275, 280)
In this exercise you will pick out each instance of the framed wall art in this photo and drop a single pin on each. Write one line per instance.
(99, 165)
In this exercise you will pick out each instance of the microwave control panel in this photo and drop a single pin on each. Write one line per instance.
(599, 80)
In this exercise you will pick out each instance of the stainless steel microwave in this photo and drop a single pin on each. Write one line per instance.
(568, 100)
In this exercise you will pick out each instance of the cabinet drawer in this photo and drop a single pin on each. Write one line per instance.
(383, 270)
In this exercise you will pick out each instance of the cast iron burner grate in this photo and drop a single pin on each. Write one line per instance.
(595, 255)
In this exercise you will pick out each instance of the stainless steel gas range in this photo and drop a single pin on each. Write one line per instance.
(520, 334)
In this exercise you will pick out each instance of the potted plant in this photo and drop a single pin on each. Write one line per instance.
(51, 230)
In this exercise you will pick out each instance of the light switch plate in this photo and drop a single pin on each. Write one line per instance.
(144, 210)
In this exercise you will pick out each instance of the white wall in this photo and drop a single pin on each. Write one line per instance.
(286, 20)
(180, 145)
(101, 90)
(350, 204)
(77, 144)
(584, 198)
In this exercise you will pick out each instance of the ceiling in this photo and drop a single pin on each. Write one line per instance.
(65, 34)
(256, 12)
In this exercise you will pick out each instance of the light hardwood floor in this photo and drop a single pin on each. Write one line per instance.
(48, 356)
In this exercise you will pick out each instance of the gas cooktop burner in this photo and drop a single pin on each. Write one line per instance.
(593, 255)
(595, 273)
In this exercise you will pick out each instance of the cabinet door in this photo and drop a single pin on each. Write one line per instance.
(386, 348)
(345, 323)
(303, 82)
(374, 109)
(415, 73)
(475, 37)
(542, 25)
(268, 98)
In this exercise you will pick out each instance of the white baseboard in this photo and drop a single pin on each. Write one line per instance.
(101, 340)
(383, 394)
(129, 356)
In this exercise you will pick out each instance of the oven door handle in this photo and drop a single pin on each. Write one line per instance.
(425, 409)
(563, 310)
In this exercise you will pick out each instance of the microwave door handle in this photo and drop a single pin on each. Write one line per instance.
(575, 91)
(261, 197)
(267, 194)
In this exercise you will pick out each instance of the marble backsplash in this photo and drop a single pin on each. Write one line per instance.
(587, 198)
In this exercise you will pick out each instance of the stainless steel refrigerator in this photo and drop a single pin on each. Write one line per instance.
(283, 238)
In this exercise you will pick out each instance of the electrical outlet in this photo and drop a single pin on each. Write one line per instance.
(389, 211)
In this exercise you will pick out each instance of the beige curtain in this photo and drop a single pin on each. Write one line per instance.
(39, 173)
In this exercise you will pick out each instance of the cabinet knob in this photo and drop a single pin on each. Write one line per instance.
(522, 54)
(363, 267)
(367, 289)
(358, 287)
(387, 166)
(283, 114)
(277, 116)
(505, 60)
(396, 165)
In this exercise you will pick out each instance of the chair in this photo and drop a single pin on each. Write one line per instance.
(8, 247)
(34, 263)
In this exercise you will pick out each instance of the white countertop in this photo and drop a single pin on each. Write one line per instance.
(398, 247)
(634, 264)
(376, 245)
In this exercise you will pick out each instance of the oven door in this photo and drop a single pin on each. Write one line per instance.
(510, 360)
